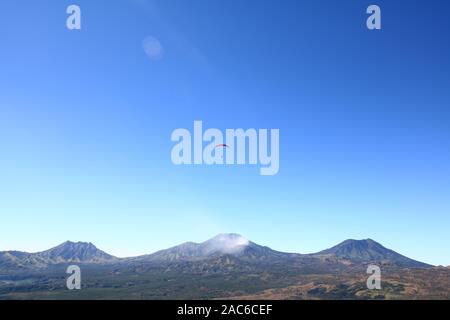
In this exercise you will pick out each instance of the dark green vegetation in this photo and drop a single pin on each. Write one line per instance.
(227, 266)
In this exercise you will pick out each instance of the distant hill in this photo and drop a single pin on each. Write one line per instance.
(67, 252)
(369, 251)
(76, 252)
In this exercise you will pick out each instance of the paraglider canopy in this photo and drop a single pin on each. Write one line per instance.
(222, 146)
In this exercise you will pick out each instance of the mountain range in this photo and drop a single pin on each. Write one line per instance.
(226, 266)
(349, 252)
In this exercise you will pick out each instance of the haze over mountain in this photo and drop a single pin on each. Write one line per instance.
(222, 244)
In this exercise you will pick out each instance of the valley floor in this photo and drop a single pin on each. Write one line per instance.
(401, 284)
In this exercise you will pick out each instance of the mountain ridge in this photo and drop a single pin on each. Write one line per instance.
(222, 244)
(368, 250)
(233, 245)
(66, 252)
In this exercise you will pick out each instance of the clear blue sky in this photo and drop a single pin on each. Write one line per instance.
(364, 118)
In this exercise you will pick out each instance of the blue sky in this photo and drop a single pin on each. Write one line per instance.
(86, 118)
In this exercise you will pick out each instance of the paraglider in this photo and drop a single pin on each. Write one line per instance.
(222, 145)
